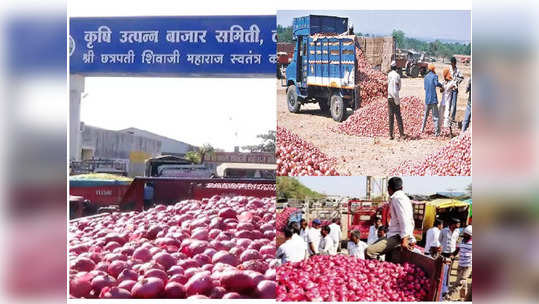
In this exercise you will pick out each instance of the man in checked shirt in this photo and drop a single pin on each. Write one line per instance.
(465, 265)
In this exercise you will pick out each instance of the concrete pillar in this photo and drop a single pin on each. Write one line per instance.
(76, 88)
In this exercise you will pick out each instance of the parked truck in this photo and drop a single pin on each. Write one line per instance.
(323, 67)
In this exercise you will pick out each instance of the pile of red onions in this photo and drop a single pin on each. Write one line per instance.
(282, 218)
(454, 159)
(372, 120)
(348, 279)
(221, 247)
(373, 82)
(297, 157)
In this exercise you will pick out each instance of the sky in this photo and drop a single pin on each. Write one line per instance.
(355, 185)
(455, 25)
(224, 112)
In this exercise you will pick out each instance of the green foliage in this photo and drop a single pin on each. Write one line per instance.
(193, 156)
(284, 34)
(205, 150)
(267, 144)
(434, 48)
(289, 187)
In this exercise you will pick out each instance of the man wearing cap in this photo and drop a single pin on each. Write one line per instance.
(401, 221)
(314, 237)
(449, 237)
(465, 265)
(431, 99)
(393, 100)
(411, 245)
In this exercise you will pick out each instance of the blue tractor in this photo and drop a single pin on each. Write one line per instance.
(323, 69)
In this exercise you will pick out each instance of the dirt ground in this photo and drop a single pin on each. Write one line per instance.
(365, 155)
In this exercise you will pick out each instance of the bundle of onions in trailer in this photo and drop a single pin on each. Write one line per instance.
(297, 157)
(345, 278)
(221, 247)
(454, 159)
(372, 120)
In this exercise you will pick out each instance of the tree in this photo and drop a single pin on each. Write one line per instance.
(267, 144)
(399, 37)
(204, 151)
(284, 34)
(289, 187)
(193, 156)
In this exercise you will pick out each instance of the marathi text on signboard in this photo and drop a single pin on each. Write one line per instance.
(174, 46)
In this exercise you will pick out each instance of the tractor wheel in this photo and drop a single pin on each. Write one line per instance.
(415, 71)
(292, 99)
(423, 71)
(337, 107)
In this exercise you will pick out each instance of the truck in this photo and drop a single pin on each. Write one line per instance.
(323, 67)
(361, 216)
(411, 62)
(173, 166)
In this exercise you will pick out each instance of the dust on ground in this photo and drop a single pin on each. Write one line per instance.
(374, 156)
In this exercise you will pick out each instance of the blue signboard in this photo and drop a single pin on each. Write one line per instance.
(189, 46)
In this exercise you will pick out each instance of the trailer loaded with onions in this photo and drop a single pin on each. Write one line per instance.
(205, 238)
(414, 277)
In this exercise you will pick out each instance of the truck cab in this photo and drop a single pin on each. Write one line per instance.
(323, 66)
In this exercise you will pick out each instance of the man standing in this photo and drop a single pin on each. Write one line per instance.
(327, 244)
(457, 76)
(335, 232)
(448, 238)
(148, 195)
(465, 264)
(356, 247)
(431, 99)
(313, 237)
(393, 100)
(304, 230)
(468, 114)
(291, 250)
(401, 222)
(373, 231)
(433, 235)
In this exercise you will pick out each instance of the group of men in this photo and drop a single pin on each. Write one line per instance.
(449, 88)
(302, 241)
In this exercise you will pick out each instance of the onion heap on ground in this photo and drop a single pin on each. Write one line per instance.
(348, 279)
(454, 159)
(297, 157)
(221, 247)
(373, 83)
(372, 120)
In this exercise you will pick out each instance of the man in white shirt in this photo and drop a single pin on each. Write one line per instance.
(356, 247)
(433, 235)
(401, 222)
(448, 238)
(373, 231)
(393, 100)
(327, 244)
(335, 232)
(313, 237)
(304, 230)
(291, 250)
(465, 266)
